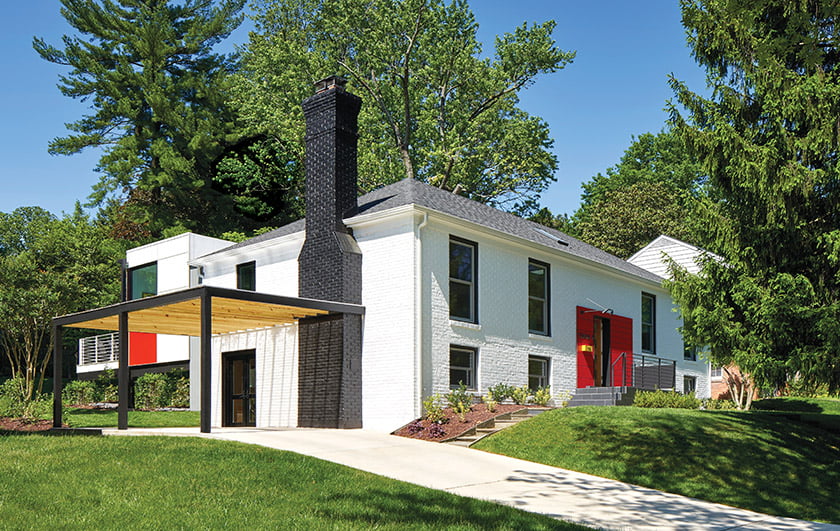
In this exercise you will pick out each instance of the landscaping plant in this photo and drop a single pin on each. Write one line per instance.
(663, 399)
(434, 410)
(542, 396)
(500, 392)
(520, 395)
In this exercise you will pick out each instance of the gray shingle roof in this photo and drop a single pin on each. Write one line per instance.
(411, 191)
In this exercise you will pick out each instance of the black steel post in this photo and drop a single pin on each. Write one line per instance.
(205, 356)
(123, 380)
(58, 384)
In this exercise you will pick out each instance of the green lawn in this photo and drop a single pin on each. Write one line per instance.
(104, 418)
(186, 483)
(779, 463)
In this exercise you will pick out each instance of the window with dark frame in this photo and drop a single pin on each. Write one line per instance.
(246, 276)
(689, 384)
(142, 281)
(716, 373)
(462, 366)
(537, 372)
(463, 278)
(648, 323)
(538, 297)
(689, 352)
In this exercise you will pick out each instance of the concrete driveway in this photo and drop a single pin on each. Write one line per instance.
(564, 494)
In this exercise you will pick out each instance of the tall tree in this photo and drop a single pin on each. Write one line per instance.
(49, 267)
(768, 140)
(434, 109)
(651, 191)
(159, 111)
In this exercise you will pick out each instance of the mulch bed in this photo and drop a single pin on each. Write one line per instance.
(8, 424)
(453, 427)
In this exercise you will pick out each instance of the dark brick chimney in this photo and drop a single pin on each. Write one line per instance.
(330, 263)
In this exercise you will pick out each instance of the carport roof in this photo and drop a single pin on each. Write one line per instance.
(179, 312)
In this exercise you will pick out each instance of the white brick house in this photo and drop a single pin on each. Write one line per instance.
(453, 291)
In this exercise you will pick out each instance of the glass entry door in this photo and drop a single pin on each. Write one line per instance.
(240, 388)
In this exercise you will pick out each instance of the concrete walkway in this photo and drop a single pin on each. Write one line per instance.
(564, 494)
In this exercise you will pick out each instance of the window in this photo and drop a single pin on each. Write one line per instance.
(142, 281)
(689, 352)
(463, 275)
(462, 364)
(716, 373)
(537, 372)
(689, 384)
(246, 276)
(648, 323)
(538, 289)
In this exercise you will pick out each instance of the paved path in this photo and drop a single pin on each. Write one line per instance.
(571, 496)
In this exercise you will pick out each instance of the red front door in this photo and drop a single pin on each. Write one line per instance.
(604, 348)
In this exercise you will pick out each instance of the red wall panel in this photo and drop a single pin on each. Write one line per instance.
(142, 348)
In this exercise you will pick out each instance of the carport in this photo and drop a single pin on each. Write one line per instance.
(198, 312)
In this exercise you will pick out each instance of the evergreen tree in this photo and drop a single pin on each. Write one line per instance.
(767, 139)
(159, 112)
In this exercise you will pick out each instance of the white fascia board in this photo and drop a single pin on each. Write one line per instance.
(528, 245)
(248, 249)
(364, 220)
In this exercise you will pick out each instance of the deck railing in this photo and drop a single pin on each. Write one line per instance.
(653, 372)
(103, 348)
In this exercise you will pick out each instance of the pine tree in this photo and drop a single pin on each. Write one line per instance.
(157, 94)
(768, 140)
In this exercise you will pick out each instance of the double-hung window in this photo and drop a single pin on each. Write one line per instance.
(538, 301)
(246, 276)
(689, 384)
(463, 280)
(537, 372)
(716, 373)
(648, 323)
(462, 366)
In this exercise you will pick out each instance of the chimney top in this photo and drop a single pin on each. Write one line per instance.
(329, 83)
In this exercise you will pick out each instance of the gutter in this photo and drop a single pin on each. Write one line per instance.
(418, 313)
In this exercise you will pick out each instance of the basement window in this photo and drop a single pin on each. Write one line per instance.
(462, 367)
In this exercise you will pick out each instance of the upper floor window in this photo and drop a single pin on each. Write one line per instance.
(246, 276)
(538, 304)
(648, 323)
(463, 279)
(690, 352)
(142, 281)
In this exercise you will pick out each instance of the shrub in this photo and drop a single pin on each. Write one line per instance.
(461, 409)
(520, 395)
(563, 398)
(415, 427)
(665, 399)
(489, 403)
(106, 386)
(181, 393)
(433, 408)
(12, 403)
(459, 398)
(79, 393)
(542, 396)
(500, 392)
(712, 404)
(436, 431)
(153, 390)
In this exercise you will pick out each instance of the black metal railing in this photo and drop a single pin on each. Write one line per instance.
(653, 372)
(617, 375)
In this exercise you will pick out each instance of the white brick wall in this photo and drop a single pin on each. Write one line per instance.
(277, 366)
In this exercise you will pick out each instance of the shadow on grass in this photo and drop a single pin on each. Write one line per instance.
(787, 404)
(762, 461)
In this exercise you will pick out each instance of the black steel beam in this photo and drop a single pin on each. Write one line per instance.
(205, 356)
(58, 384)
(123, 380)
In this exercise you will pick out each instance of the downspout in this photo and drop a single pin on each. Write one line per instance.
(418, 312)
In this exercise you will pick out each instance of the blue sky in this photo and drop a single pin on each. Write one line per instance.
(615, 89)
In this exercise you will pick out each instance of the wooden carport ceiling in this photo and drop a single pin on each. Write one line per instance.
(182, 315)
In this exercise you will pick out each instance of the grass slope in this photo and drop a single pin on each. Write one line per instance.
(103, 418)
(776, 463)
(185, 483)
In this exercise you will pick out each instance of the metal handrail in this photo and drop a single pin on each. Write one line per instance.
(611, 372)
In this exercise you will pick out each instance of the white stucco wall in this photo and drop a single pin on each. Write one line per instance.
(276, 266)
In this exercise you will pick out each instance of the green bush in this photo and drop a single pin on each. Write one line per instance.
(669, 399)
(500, 392)
(713, 404)
(542, 396)
(181, 392)
(12, 403)
(433, 408)
(459, 398)
(489, 402)
(520, 395)
(153, 390)
(79, 393)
